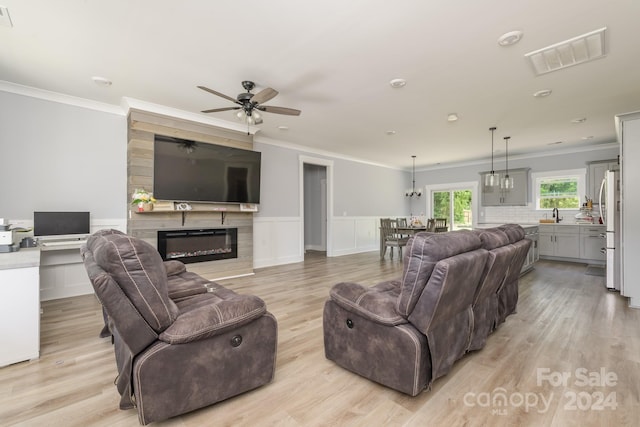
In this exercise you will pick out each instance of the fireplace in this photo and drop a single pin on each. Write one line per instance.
(189, 246)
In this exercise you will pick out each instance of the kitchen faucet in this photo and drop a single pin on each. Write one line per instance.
(555, 214)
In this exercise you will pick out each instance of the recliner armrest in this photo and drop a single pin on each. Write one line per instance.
(218, 316)
(174, 267)
(377, 303)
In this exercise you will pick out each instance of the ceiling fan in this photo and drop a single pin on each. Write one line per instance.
(250, 104)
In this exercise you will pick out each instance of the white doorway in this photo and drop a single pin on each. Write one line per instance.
(315, 204)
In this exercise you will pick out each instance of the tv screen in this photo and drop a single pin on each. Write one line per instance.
(186, 171)
(60, 223)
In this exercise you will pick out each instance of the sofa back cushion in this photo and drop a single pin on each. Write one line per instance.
(423, 252)
(138, 271)
(449, 292)
(514, 232)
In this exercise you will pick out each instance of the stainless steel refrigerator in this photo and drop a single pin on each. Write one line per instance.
(610, 214)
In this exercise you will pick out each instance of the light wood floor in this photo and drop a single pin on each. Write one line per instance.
(566, 321)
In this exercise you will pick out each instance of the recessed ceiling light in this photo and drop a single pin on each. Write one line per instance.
(101, 81)
(542, 93)
(452, 117)
(391, 132)
(283, 127)
(588, 137)
(512, 37)
(397, 83)
(579, 120)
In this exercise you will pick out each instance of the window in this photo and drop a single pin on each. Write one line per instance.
(559, 189)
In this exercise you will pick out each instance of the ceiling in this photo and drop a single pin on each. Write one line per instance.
(334, 60)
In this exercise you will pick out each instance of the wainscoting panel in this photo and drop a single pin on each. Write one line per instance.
(276, 241)
(353, 235)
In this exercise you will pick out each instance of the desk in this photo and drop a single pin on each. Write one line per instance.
(19, 306)
(402, 230)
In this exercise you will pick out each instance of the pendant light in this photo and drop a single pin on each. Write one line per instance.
(506, 183)
(413, 191)
(492, 179)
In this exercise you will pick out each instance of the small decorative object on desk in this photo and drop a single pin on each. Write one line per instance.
(143, 200)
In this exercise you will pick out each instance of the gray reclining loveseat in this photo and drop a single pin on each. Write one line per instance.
(181, 342)
(406, 333)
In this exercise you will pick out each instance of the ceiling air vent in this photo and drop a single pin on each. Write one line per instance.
(577, 50)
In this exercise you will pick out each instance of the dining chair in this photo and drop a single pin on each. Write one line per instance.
(390, 237)
(402, 223)
(431, 225)
(441, 225)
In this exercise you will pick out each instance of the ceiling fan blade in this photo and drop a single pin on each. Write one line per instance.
(222, 95)
(280, 110)
(264, 95)
(215, 110)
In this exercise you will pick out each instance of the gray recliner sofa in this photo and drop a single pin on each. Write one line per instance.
(406, 333)
(181, 342)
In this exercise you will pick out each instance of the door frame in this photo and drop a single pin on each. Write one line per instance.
(473, 185)
(302, 160)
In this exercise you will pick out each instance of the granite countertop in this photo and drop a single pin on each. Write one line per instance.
(23, 258)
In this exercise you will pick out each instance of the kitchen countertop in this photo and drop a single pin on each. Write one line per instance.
(497, 224)
(535, 224)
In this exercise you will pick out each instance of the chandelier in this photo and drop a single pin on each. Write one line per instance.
(413, 192)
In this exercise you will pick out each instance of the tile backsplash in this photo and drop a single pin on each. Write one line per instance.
(527, 214)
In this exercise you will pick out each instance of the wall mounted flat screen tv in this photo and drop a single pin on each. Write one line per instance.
(60, 223)
(191, 171)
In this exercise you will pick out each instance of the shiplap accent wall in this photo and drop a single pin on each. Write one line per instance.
(142, 126)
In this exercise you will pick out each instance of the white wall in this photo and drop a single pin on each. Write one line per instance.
(60, 157)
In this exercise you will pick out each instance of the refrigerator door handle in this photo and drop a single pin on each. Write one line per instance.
(602, 201)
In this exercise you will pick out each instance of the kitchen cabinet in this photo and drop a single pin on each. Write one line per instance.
(560, 241)
(595, 175)
(592, 243)
(517, 196)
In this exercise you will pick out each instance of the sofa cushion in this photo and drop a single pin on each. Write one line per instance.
(377, 303)
(138, 270)
(492, 238)
(423, 252)
(514, 231)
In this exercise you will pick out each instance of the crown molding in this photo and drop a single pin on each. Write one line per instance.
(60, 98)
(315, 151)
(137, 104)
